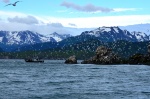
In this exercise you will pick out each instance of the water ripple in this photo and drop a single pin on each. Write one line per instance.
(56, 80)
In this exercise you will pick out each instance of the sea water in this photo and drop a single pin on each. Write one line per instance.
(55, 80)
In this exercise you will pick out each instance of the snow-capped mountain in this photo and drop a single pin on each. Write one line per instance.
(58, 37)
(27, 37)
(141, 36)
(107, 34)
(110, 34)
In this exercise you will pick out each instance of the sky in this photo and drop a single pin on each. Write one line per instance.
(71, 16)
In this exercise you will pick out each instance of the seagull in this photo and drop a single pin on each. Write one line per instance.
(13, 4)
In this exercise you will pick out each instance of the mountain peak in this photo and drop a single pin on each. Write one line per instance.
(102, 30)
(110, 34)
(58, 37)
(28, 37)
(55, 34)
(109, 29)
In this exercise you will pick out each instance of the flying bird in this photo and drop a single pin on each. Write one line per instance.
(13, 4)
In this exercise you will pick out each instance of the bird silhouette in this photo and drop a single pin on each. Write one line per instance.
(13, 4)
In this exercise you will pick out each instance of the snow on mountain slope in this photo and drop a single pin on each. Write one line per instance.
(97, 32)
(58, 37)
(140, 36)
(27, 37)
(110, 34)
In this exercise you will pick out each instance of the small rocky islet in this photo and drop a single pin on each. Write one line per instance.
(71, 60)
(105, 56)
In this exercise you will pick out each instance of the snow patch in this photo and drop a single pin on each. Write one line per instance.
(116, 29)
(28, 37)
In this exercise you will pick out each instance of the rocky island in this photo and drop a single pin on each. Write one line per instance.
(104, 55)
(71, 60)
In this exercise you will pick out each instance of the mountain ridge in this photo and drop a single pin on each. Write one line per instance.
(110, 34)
(29, 37)
(35, 41)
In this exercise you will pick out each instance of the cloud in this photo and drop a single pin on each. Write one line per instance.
(5, 1)
(71, 24)
(55, 24)
(13, 21)
(125, 9)
(86, 8)
(94, 22)
(26, 20)
(42, 29)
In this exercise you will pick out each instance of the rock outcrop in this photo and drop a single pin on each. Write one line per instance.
(103, 55)
(71, 60)
(140, 59)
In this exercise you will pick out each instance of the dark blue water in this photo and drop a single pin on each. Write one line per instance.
(56, 80)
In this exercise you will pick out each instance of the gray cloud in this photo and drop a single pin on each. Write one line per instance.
(71, 24)
(55, 24)
(5, 1)
(42, 29)
(24, 20)
(86, 8)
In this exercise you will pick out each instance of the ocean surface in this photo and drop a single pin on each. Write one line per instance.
(55, 80)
